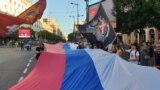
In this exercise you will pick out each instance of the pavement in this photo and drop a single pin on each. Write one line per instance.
(14, 65)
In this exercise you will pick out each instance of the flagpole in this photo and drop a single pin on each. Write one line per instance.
(101, 11)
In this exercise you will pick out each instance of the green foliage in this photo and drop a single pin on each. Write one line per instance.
(136, 14)
(50, 36)
(72, 37)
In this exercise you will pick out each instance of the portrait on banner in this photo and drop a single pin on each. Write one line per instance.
(102, 29)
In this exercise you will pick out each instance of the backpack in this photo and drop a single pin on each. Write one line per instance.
(126, 55)
(135, 53)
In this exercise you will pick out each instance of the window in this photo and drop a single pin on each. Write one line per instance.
(5, 6)
(15, 3)
(18, 5)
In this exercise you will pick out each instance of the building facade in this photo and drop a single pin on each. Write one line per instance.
(37, 26)
(148, 35)
(51, 25)
(14, 7)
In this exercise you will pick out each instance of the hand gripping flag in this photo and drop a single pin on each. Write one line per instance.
(98, 25)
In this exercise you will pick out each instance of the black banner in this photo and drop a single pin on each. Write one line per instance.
(100, 27)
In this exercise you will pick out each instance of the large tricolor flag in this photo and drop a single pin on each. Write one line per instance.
(62, 67)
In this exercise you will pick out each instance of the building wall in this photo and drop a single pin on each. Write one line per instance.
(14, 7)
(37, 26)
(125, 39)
(156, 34)
(129, 39)
(51, 25)
(47, 25)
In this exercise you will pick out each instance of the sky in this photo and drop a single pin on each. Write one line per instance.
(60, 10)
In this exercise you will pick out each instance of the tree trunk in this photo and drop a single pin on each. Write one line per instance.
(140, 36)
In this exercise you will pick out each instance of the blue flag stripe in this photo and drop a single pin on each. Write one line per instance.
(66, 46)
(80, 73)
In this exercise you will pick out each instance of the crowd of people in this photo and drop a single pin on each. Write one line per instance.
(146, 53)
(22, 44)
(85, 44)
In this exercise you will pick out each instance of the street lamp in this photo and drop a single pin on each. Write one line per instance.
(77, 11)
(73, 18)
(81, 15)
(73, 22)
(87, 13)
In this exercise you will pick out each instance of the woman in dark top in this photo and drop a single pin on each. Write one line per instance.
(39, 49)
(157, 55)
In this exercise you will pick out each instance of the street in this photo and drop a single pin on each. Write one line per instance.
(14, 66)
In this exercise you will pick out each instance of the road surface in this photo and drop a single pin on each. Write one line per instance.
(14, 66)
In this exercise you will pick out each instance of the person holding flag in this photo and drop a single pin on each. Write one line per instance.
(103, 31)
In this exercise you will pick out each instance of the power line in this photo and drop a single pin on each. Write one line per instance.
(65, 12)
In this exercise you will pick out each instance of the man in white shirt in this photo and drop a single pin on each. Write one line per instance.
(134, 54)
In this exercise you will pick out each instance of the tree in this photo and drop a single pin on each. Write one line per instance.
(119, 11)
(154, 13)
(135, 15)
(74, 36)
(50, 36)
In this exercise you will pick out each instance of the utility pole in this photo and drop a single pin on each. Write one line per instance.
(76, 4)
(74, 29)
(87, 10)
